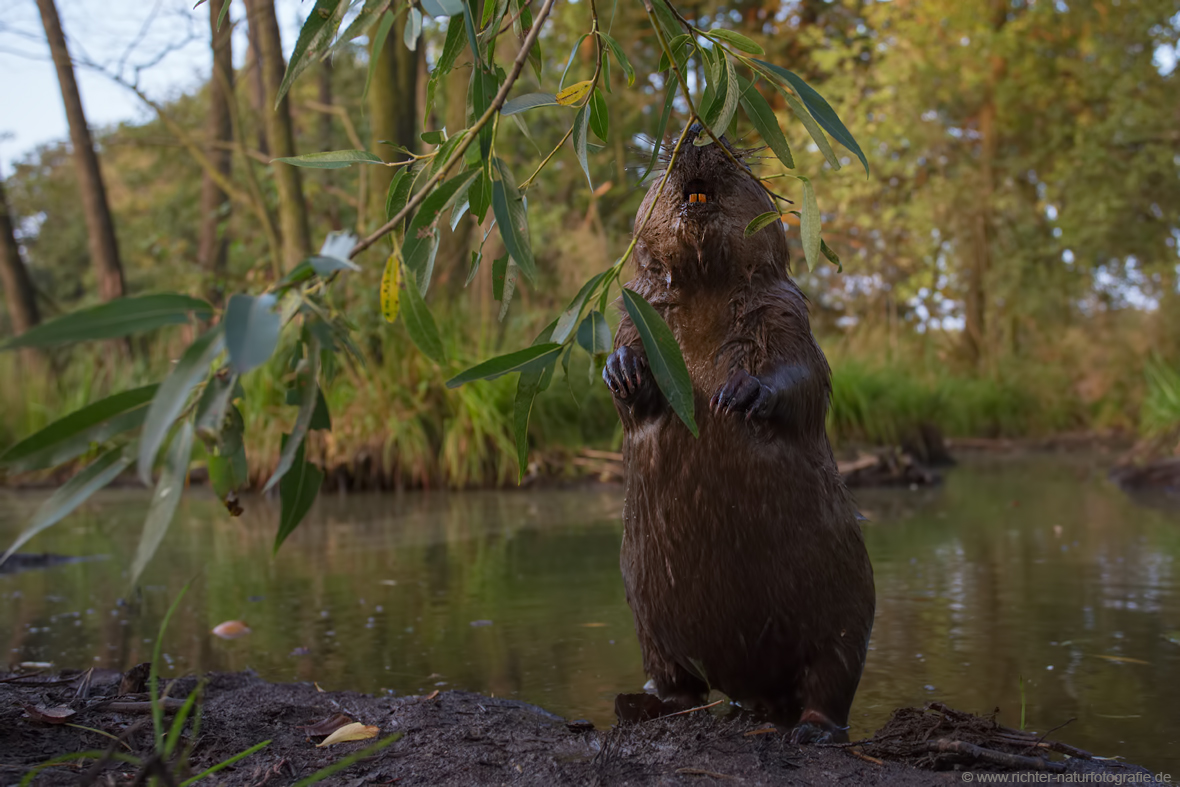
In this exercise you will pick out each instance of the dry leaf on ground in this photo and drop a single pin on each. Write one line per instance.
(350, 732)
(58, 715)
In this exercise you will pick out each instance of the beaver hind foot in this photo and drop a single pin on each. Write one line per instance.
(815, 727)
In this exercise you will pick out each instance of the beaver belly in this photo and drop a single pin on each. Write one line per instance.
(731, 543)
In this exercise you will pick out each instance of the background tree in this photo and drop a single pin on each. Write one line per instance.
(211, 250)
(19, 295)
(104, 249)
(280, 135)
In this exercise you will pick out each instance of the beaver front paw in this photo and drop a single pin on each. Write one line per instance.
(626, 373)
(742, 393)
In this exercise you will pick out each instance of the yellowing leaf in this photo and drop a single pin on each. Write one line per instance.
(390, 288)
(350, 732)
(231, 629)
(574, 93)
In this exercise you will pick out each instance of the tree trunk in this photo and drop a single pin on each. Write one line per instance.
(454, 249)
(327, 97)
(19, 295)
(100, 229)
(280, 135)
(253, 69)
(393, 109)
(211, 247)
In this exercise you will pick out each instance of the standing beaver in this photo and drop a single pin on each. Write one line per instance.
(742, 556)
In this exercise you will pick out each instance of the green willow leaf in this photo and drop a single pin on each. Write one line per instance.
(762, 221)
(720, 113)
(663, 356)
(112, 320)
(658, 139)
(819, 109)
(569, 318)
(617, 50)
(74, 493)
(361, 23)
(528, 101)
(379, 38)
(252, 329)
(594, 334)
(398, 194)
(581, 125)
(512, 218)
(527, 388)
(315, 36)
(456, 37)
(413, 29)
(569, 63)
(766, 124)
(309, 387)
(332, 159)
(437, 8)
(71, 436)
(809, 226)
(297, 491)
(422, 236)
(736, 40)
(831, 255)
(165, 498)
(599, 118)
(222, 14)
(420, 323)
(528, 359)
(172, 396)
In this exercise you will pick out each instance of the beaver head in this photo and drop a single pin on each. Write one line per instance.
(696, 233)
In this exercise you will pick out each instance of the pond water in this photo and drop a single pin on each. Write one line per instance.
(1019, 569)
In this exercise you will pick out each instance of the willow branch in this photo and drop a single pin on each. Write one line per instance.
(473, 132)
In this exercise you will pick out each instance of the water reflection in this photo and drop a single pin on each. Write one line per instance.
(1028, 568)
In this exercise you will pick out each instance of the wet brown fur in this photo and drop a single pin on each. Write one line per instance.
(742, 555)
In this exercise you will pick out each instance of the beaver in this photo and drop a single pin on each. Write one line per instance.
(742, 556)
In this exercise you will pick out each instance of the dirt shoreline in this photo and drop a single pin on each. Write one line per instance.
(461, 738)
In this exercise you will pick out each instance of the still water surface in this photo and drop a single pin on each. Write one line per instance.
(1028, 568)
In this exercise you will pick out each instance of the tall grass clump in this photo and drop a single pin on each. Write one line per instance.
(1160, 414)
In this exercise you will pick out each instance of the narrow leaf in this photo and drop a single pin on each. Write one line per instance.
(74, 493)
(762, 221)
(120, 317)
(736, 40)
(720, 113)
(765, 122)
(528, 359)
(658, 139)
(617, 50)
(390, 288)
(398, 194)
(663, 356)
(528, 101)
(172, 396)
(422, 236)
(318, 30)
(71, 436)
(512, 218)
(297, 491)
(437, 8)
(569, 63)
(809, 227)
(527, 388)
(420, 323)
(819, 108)
(252, 329)
(581, 124)
(165, 498)
(569, 318)
(831, 255)
(378, 43)
(413, 29)
(332, 159)
(571, 95)
(594, 334)
(599, 118)
(309, 387)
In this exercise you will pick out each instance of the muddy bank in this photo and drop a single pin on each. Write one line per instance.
(459, 738)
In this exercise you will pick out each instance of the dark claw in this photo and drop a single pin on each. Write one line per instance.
(742, 393)
(807, 732)
(624, 373)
